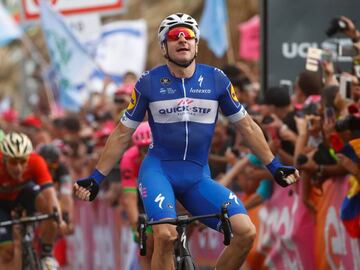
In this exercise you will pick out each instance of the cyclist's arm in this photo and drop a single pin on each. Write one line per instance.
(254, 138)
(115, 147)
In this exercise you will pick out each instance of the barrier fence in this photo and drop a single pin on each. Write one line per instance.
(288, 236)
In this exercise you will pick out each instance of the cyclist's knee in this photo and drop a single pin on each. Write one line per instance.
(164, 234)
(243, 229)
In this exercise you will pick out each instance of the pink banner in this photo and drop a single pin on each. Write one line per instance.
(335, 249)
(102, 239)
(249, 43)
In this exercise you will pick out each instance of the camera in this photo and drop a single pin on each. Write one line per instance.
(336, 25)
(349, 122)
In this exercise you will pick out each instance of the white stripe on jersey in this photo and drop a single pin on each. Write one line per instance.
(184, 109)
(237, 116)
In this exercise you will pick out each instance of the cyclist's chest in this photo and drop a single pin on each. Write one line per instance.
(183, 100)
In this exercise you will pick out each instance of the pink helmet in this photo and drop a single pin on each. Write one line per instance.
(142, 135)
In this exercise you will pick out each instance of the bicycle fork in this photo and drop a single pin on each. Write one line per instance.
(181, 244)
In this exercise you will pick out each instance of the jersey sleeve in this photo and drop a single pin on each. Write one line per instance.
(228, 102)
(39, 170)
(135, 112)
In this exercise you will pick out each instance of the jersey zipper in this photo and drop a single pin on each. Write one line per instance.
(186, 123)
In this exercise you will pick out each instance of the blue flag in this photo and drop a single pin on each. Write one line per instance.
(213, 26)
(8, 28)
(72, 63)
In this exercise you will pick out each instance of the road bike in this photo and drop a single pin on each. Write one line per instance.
(183, 259)
(30, 259)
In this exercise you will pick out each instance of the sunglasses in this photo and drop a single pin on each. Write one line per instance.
(175, 34)
(16, 161)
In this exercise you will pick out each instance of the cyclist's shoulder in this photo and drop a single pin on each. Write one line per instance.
(209, 69)
(148, 74)
(36, 162)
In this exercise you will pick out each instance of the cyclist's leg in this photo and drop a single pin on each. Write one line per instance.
(159, 203)
(10, 242)
(206, 197)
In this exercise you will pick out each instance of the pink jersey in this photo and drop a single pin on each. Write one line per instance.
(129, 168)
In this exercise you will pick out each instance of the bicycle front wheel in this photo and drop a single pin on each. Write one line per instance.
(30, 261)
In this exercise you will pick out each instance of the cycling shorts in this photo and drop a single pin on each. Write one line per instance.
(162, 182)
(26, 199)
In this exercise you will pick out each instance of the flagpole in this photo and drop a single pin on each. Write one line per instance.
(230, 51)
(39, 59)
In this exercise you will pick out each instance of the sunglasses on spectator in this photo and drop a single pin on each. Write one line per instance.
(16, 161)
(175, 34)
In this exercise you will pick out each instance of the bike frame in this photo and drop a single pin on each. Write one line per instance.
(182, 253)
(30, 260)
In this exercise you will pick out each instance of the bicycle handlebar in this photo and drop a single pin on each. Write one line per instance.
(31, 219)
(185, 220)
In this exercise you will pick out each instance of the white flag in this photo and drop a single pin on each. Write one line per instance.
(8, 28)
(72, 63)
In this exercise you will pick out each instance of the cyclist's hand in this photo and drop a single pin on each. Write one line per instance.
(286, 175)
(86, 189)
(283, 175)
(70, 228)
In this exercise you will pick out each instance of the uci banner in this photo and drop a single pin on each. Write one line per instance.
(290, 28)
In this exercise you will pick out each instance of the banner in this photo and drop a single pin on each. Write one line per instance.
(122, 47)
(71, 62)
(8, 27)
(290, 28)
(249, 43)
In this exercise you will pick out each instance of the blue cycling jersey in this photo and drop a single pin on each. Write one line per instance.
(182, 112)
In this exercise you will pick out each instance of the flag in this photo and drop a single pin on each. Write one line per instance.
(350, 208)
(72, 63)
(213, 26)
(8, 27)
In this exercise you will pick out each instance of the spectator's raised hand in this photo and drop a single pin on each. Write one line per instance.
(350, 30)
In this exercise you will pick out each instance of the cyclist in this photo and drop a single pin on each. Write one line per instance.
(182, 100)
(62, 181)
(129, 167)
(26, 181)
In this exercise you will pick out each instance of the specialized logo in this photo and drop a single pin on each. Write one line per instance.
(232, 196)
(200, 80)
(159, 199)
(133, 100)
(183, 239)
(165, 81)
(233, 94)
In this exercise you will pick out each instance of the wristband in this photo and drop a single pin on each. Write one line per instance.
(97, 176)
(274, 165)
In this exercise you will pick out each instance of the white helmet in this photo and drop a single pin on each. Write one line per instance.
(178, 19)
(16, 145)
